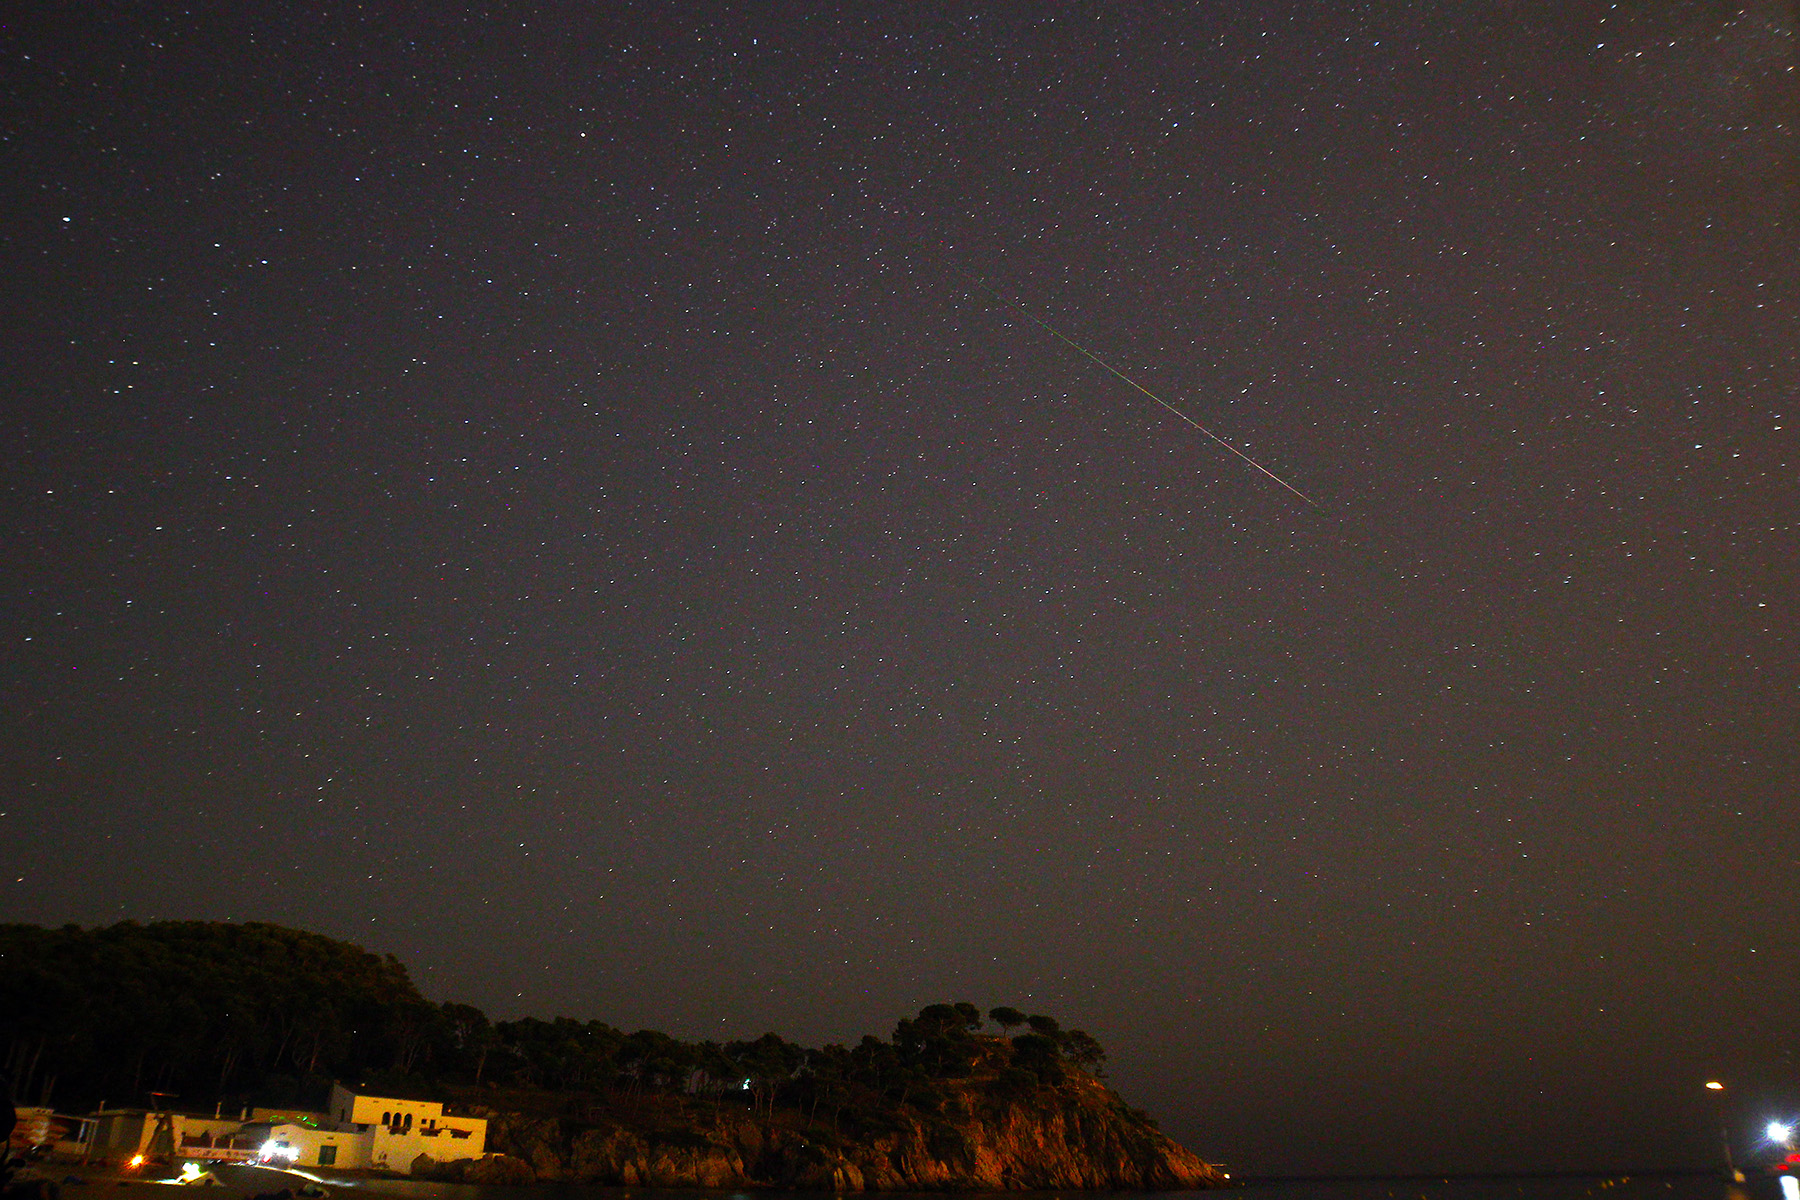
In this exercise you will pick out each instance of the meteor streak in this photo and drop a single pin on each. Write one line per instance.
(1102, 363)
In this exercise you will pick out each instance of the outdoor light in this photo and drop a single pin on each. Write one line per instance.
(1731, 1168)
(1779, 1131)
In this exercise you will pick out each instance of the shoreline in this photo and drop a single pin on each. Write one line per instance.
(234, 1179)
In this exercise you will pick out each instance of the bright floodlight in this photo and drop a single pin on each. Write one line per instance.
(1779, 1131)
(1713, 1085)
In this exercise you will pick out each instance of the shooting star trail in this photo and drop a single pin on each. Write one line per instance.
(1102, 363)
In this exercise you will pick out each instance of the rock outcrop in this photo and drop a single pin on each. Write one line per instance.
(1076, 1134)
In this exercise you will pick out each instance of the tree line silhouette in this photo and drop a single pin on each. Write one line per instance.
(260, 1014)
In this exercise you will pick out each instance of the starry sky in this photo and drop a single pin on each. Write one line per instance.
(578, 498)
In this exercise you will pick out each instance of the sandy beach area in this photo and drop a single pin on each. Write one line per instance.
(234, 1182)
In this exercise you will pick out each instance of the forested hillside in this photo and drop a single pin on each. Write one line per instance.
(200, 1013)
(199, 1009)
(210, 1011)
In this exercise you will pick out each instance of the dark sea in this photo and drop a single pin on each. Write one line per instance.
(1652, 1186)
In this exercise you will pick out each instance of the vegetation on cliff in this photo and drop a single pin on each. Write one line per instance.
(256, 1013)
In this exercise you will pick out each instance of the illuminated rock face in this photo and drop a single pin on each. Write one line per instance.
(1074, 1135)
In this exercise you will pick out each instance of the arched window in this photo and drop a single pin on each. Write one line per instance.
(387, 1118)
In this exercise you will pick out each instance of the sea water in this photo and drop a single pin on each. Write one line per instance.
(1560, 1187)
(1655, 1186)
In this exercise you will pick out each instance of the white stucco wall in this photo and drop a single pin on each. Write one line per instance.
(353, 1148)
(396, 1151)
(348, 1108)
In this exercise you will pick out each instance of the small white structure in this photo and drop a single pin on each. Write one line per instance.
(310, 1146)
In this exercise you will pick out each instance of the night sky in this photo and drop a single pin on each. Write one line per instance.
(547, 493)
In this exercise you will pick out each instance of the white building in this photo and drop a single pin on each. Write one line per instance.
(357, 1133)
(122, 1134)
(309, 1145)
(379, 1133)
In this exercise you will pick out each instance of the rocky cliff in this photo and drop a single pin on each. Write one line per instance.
(1077, 1134)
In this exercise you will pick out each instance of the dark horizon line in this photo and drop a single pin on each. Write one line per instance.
(1414, 1176)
